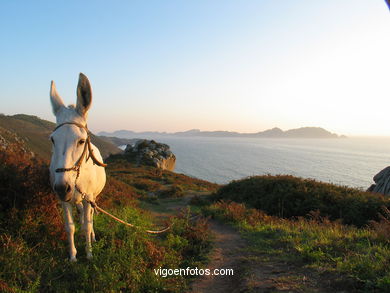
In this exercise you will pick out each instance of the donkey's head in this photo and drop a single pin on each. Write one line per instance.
(69, 140)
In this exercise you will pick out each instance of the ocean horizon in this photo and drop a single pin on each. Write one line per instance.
(352, 161)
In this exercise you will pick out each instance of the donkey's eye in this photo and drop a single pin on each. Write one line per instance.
(52, 140)
(81, 141)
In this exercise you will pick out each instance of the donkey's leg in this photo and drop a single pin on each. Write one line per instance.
(88, 228)
(93, 239)
(81, 213)
(69, 228)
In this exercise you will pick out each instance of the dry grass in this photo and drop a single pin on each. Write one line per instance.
(382, 227)
(359, 256)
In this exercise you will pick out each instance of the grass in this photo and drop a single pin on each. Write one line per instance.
(33, 246)
(146, 179)
(124, 259)
(159, 205)
(355, 258)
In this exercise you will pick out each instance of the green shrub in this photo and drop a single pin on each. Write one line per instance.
(172, 191)
(287, 196)
(199, 201)
(146, 184)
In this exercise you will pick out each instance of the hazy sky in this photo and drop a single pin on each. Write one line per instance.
(214, 65)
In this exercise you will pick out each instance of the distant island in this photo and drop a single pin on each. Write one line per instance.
(303, 132)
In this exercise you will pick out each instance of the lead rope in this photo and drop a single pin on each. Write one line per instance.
(97, 208)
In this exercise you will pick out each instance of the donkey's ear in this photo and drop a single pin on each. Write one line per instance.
(84, 95)
(56, 101)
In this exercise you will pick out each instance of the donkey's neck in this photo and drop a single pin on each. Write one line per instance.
(69, 114)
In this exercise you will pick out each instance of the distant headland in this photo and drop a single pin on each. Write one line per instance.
(303, 132)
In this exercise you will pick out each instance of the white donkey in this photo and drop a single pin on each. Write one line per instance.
(75, 178)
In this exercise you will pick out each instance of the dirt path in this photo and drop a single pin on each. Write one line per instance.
(227, 254)
(251, 272)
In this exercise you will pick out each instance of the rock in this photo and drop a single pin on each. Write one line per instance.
(149, 152)
(382, 182)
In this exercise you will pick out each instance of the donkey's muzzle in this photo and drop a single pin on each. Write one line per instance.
(64, 191)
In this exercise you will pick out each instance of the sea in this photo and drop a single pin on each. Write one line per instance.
(345, 161)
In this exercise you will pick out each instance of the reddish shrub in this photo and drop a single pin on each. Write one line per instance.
(156, 254)
(116, 193)
(27, 203)
(382, 227)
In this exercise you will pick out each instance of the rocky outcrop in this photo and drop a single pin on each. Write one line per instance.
(382, 182)
(151, 153)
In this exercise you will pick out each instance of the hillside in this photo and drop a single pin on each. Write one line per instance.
(287, 196)
(33, 247)
(303, 132)
(35, 132)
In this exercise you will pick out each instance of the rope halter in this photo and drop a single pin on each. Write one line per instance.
(87, 147)
(77, 165)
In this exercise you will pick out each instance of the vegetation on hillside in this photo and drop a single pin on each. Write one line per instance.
(287, 196)
(35, 133)
(149, 181)
(33, 246)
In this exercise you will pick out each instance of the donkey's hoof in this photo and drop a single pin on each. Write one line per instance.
(73, 259)
(89, 255)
